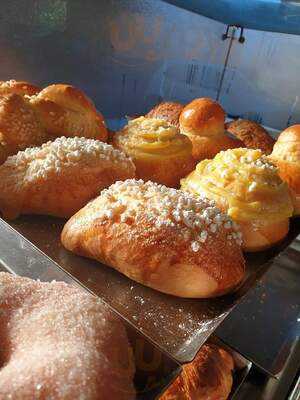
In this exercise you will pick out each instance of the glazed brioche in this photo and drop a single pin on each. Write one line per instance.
(58, 342)
(246, 186)
(160, 237)
(286, 155)
(253, 135)
(168, 111)
(208, 376)
(66, 111)
(29, 120)
(203, 121)
(59, 177)
(18, 87)
(159, 151)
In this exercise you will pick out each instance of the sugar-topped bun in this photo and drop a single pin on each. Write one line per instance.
(18, 87)
(159, 151)
(160, 237)
(246, 185)
(58, 342)
(286, 155)
(59, 177)
(203, 121)
(168, 111)
(253, 135)
(207, 377)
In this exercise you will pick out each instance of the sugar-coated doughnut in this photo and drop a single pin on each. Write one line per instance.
(160, 237)
(58, 342)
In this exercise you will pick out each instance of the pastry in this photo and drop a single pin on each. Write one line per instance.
(159, 151)
(253, 135)
(286, 155)
(59, 177)
(160, 237)
(208, 376)
(58, 342)
(168, 111)
(246, 185)
(203, 121)
(18, 87)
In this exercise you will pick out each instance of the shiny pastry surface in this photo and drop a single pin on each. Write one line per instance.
(168, 111)
(157, 148)
(160, 237)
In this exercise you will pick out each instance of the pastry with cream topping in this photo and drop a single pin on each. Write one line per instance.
(59, 177)
(286, 155)
(161, 154)
(246, 185)
(160, 237)
(168, 111)
(203, 121)
(58, 342)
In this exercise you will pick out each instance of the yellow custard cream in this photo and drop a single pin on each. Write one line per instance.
(244, 183)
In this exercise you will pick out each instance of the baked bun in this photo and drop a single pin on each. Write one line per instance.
(58, 342)
(168, 111)
(286, 155)
(159, 151)
(19, 87)
(246, 186)
(66, 111)
(59, 177)
(160, 237)
(203, 121)
(253, 135)
(208, 376)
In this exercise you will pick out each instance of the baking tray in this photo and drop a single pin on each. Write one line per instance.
(177, 326)
(154, 369)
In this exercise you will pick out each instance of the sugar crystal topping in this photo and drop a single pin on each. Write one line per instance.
(65, 152)
(195, 218)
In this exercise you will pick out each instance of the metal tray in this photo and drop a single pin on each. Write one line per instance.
(177, 326)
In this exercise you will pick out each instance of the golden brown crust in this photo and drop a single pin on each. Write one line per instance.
(203, 121)
(160, 153)
(59, 177)
(168, 111)
(151, 234)
(209, 376)
(253, 135)
(66, 111)
(286, 155)
(19, 87)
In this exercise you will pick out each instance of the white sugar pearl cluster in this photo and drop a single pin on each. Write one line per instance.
(64, 152)
(196, 219)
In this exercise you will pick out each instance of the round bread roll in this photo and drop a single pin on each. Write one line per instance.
(253, 135)
(159, 152)
(160, 237)
(58, 342)
(286, 155)
(19, 87)
(168, 111)
(246, 186)
(59, 177)
(66, 111)
(208, 376)
(203, 121)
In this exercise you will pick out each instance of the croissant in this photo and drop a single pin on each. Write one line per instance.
(59, 177)
(208, 376)
(160, 153)
(160, 237)
(29, 118)
(246, 185)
